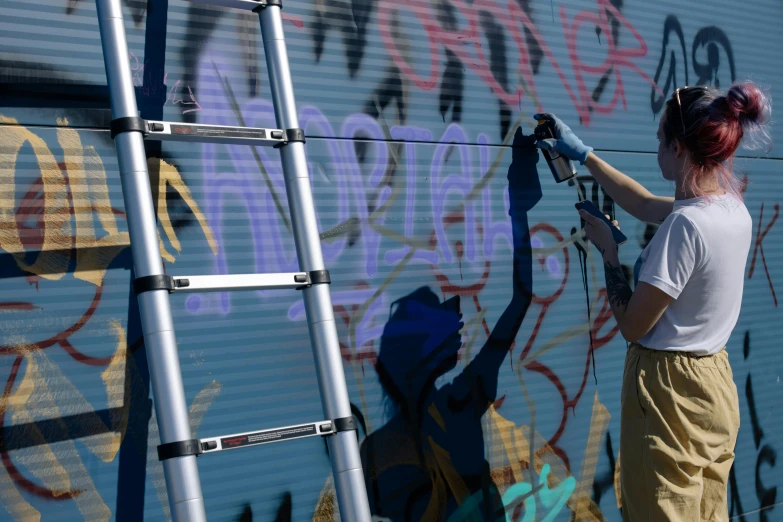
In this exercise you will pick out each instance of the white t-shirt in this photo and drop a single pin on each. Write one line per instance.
(698, 257)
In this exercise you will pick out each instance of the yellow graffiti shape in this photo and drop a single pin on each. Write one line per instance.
(450, 474)
(503, 434)
(45, 393)
(436, 416)
(162, 175)
(327, 502)
(117, 388)
(90, 196)
(12, 500)
(507, 465)
(581, 504)
(52, 262)
(509, 451)
(121, 379)
(87, 183)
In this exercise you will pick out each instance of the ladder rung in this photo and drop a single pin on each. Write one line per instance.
(166, 131)
(254, 438)
(247, 5)
(218, 283)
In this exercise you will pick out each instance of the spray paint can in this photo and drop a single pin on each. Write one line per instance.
(562, 168)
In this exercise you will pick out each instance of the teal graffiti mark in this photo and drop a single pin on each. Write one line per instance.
(552, 499)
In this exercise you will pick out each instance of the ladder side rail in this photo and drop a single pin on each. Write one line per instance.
(182, 478)
(343, 446)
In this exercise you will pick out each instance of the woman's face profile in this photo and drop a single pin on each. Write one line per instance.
(667, 157)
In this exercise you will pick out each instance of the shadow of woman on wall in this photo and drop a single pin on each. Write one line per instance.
(429, 457)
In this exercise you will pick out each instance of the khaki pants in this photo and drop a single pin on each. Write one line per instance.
(679, 423)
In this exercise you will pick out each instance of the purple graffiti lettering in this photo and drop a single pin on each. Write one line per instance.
(219, 184)
(410, 135)
(553, 265)
(454, 136)
(260, 113)
(347, 298)
(243, 182)
(492, 229)
(311, 117)
(193, 303)
(355, 126)
(366, 333)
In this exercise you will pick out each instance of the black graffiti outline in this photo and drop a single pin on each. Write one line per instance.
(767, 496)
(672, 24)
(597, 193)
(614, 23)
(606, 481)
(710, 38)
(351, 18)
(452, 88)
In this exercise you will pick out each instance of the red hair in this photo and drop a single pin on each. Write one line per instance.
(711, 125)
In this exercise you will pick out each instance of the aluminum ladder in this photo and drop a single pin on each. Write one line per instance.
(178, 450)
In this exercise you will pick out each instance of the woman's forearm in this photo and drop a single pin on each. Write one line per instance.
(628, 193)
(618, 291)
(636, 311)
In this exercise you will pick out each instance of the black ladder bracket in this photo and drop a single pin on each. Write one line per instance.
(262, 4)
(158, 282)
(295, 135)
(315, 277)
(344, 424)
(184, 448)
(129, 124)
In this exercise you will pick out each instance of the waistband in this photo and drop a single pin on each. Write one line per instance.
(716, 360)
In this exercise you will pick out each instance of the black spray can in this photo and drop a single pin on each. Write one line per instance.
(562, 168)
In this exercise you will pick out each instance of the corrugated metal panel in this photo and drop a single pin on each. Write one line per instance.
(393, 196)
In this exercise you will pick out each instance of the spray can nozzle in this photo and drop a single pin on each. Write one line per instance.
(562, 168)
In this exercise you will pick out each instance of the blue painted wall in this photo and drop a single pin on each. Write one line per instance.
(410, 109)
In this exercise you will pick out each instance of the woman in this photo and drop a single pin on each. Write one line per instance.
(679, 419)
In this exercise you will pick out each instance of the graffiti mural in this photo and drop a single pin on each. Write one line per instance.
(482, 359)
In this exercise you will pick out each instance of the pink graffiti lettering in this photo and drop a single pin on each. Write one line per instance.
(467, 44)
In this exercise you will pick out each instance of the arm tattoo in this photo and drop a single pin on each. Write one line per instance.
(617, 287)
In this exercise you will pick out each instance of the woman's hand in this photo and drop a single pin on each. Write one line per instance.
(565, 141)
(599, 233)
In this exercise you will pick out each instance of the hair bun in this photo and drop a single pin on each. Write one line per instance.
(748, 103)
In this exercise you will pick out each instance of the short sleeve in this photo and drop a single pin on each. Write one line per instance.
(673, 255)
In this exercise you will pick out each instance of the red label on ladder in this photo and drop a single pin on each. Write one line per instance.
(267, 436)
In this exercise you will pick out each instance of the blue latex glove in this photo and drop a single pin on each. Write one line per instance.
(566, 142)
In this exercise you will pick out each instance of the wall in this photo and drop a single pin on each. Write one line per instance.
(410, 110)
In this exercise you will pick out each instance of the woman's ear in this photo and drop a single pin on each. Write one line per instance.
(679, 149)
